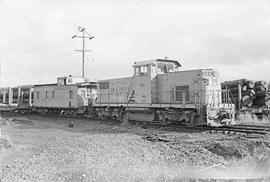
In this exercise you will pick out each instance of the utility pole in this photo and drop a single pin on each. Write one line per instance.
(84, 36)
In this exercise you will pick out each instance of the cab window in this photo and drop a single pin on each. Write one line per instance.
(143, 71)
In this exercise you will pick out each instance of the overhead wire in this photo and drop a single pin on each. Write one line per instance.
(138, 7)
(110, 22)
(105, 17)
(122, 17)
(88, 34)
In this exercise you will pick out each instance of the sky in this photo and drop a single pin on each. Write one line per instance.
(36, 45)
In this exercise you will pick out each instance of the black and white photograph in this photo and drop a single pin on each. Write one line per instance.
(134, 90)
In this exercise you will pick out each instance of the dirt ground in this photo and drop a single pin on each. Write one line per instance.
(39, 148)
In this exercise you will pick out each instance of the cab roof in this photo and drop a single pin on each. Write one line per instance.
(143, 63)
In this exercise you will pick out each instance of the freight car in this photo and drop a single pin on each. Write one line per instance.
(70, 95)
(16, 97)
(159, 91)
(250, 97)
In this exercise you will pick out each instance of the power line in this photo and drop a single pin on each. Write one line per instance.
(125, 16)
(129, 16)
(111, 19)
(103, 19)
(134, 13)
(130, 10)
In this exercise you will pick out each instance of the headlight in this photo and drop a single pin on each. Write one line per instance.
(205, 82)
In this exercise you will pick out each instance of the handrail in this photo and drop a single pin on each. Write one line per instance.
(196, 97)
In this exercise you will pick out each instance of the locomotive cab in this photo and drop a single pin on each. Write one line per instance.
(158, 66)
(146, 78)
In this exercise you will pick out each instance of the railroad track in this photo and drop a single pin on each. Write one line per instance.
(237, 129)
(253, 126)
(248, 129)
